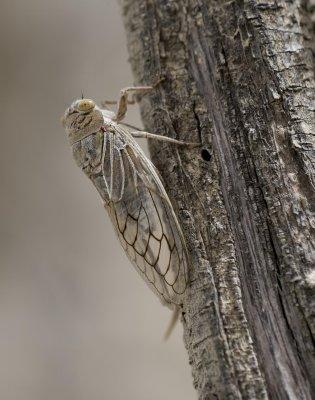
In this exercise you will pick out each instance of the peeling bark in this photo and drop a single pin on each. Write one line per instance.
(238, 77)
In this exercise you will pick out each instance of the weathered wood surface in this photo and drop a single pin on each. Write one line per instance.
(238, 76)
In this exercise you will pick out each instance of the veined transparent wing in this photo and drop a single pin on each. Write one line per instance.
(143, 216)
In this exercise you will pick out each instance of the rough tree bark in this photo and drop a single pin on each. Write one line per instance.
(238, 77)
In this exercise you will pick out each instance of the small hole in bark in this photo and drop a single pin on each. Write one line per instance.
(205, 155)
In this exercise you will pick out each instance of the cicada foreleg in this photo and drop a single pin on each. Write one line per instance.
(114, 102)
(124, 101)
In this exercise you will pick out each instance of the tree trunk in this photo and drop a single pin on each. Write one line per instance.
(238, 77)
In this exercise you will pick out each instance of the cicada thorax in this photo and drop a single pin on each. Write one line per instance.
(88, 153)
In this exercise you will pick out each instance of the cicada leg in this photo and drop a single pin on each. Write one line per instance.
(147, 135)
(114, 102)
(124, 101)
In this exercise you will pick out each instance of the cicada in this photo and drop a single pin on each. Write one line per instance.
(132, 192)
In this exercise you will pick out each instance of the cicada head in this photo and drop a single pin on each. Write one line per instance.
(83, 121)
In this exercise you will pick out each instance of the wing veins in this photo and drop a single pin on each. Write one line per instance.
(136, 236)
(143, 173)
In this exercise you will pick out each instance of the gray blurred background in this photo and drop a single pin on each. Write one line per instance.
(76, 321)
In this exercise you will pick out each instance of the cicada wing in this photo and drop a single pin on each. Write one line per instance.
(146, 224)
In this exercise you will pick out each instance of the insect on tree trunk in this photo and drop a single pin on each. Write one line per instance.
(238, 77)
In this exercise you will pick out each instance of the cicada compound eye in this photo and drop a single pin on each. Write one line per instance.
(85, 105)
